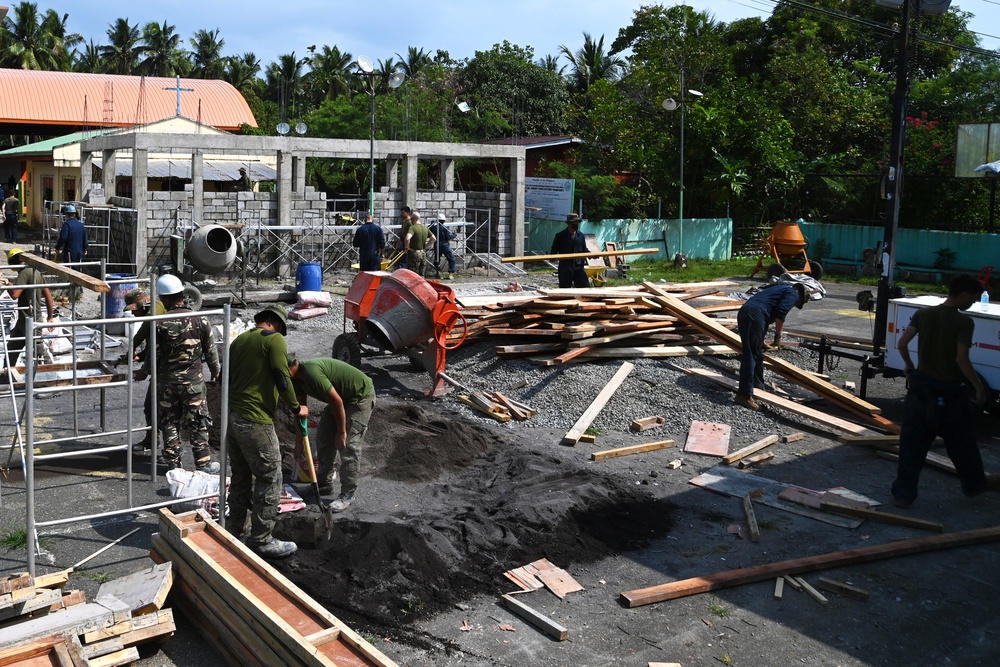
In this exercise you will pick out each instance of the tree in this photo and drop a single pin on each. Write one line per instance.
(414, 62)
(163, 52)
(283, 81)
(27, 41)
(206, 54)
(124, 49)
(590, 63)
(89, 59)
(513, 95)
(241, 72)
(330, 73)
(63, 42)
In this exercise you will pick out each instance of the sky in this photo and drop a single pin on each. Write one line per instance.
(382, 29)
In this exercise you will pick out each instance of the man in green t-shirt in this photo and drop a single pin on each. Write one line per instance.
(258, 375)
(26, 297)
(350, 398)
(417, 239)
(938, 394)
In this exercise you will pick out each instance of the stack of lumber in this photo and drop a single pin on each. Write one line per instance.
(42, 624)
(559, 325)
(498, 406)
(245, 608)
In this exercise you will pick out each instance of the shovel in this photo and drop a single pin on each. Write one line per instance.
(323, 529)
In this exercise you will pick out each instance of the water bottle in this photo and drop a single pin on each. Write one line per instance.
(985, 301)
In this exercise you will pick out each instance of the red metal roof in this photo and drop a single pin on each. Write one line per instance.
(109, 100)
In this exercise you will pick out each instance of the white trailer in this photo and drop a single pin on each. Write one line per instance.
(985, 352)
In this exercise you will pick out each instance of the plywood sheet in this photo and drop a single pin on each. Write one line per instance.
(709, 438)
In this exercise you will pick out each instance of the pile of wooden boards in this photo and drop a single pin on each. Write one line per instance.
(245, 608)
(42, 624)
(560, 325)
(498, 406)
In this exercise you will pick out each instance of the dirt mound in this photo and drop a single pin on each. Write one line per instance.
(471, 511)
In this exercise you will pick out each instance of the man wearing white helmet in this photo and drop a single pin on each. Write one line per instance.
(180, 392)
(25, 298)
(72, 237)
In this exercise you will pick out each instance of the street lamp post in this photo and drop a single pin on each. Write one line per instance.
(367, 69)
(671, 104)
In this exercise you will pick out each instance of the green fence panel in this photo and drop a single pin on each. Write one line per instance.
(701, 238)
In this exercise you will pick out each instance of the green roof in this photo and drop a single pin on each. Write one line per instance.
(46, 147)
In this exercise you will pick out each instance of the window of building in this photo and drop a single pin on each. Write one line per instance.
(69, 188)
(47, 189)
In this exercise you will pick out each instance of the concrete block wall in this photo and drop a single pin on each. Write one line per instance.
(501, 205)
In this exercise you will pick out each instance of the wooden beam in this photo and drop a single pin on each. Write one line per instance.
(631, 449)
(813, 593)
(746, 575)
(645, 423)
(883, 517)
(750, 449)
(779, 588)
(64, 272)
(586, 419)
(751, 518)
(841, 588)
(579, 255)
(544, 623)
(755, 459)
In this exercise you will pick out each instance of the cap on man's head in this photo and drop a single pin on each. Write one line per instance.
(136, 296)
(442, 217)
(69, 208)
(242, 170)
(276, 315)
(13, 252)
(572, 217)
(803, 295)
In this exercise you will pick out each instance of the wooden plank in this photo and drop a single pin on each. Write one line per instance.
(750, 449)
(793, 437)
(42, 599)
(578, 255)
(515, 411)
(710, 438)
(137, 623)
(274, 600)
(53, 580)
(78, 619)
(496, 412)
(65, 273)
(883, 517)
(54, 651)
(751, 518)
(124, 657)
(631, 449)
(559, 581)
(813, 593)
(755, 459)
(778, 402)
(729, 482)
(719, 580)
(779, 588)
(568, 355)
(590, 414)
(705, 324)
(544, 623)
(793, 582)
(588, 439)
(646, 423)
(841, 588)
(144, 591)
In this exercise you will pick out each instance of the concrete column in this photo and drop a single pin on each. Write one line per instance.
(284, 192)
(517, 205)
(108, 159)
(392, 172)
(86, 175)
(410, 181)
(140, 188)
(447, 175)
(197, 187)
(299, 174)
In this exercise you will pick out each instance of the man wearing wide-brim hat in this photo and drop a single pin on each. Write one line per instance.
(572, 272)
(258, 376)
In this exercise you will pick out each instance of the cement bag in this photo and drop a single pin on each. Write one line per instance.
(314, 299)
(59, 345)
(298, 313)
(187, 484)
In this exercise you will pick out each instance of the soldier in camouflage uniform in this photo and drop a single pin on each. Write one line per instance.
(180, 345)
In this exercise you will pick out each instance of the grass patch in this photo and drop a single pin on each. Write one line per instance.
(717, 609)
(99, 577)
(15, 539)
(592, 431)
(768, 524)
(725, 659)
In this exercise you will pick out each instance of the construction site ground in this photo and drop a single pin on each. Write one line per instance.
(449, 500)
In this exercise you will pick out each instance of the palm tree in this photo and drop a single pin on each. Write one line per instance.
(207, 54)
(414, 61)
(26, 42)
(283, 81)
(63, 41)
(591, 63)
(89, 60)
(551, 63)
(163, 52)
(331, 73)
(242, 71)
(121, 55)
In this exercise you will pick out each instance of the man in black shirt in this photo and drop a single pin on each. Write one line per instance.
(571, 271)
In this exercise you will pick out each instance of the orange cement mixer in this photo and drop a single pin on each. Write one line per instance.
(787, 246)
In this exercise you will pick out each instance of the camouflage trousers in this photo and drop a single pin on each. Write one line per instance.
(185, 405)
(255, 462)
(358, 414)
(416, 261)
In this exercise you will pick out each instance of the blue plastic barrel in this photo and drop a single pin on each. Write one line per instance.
(309, 277)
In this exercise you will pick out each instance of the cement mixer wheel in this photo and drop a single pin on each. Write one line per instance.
(193, 296)
(347, 348)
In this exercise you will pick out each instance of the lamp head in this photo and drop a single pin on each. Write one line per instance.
(365, 64)
(669, 104)
(696, 93)
(396, 80)
(464, 107)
